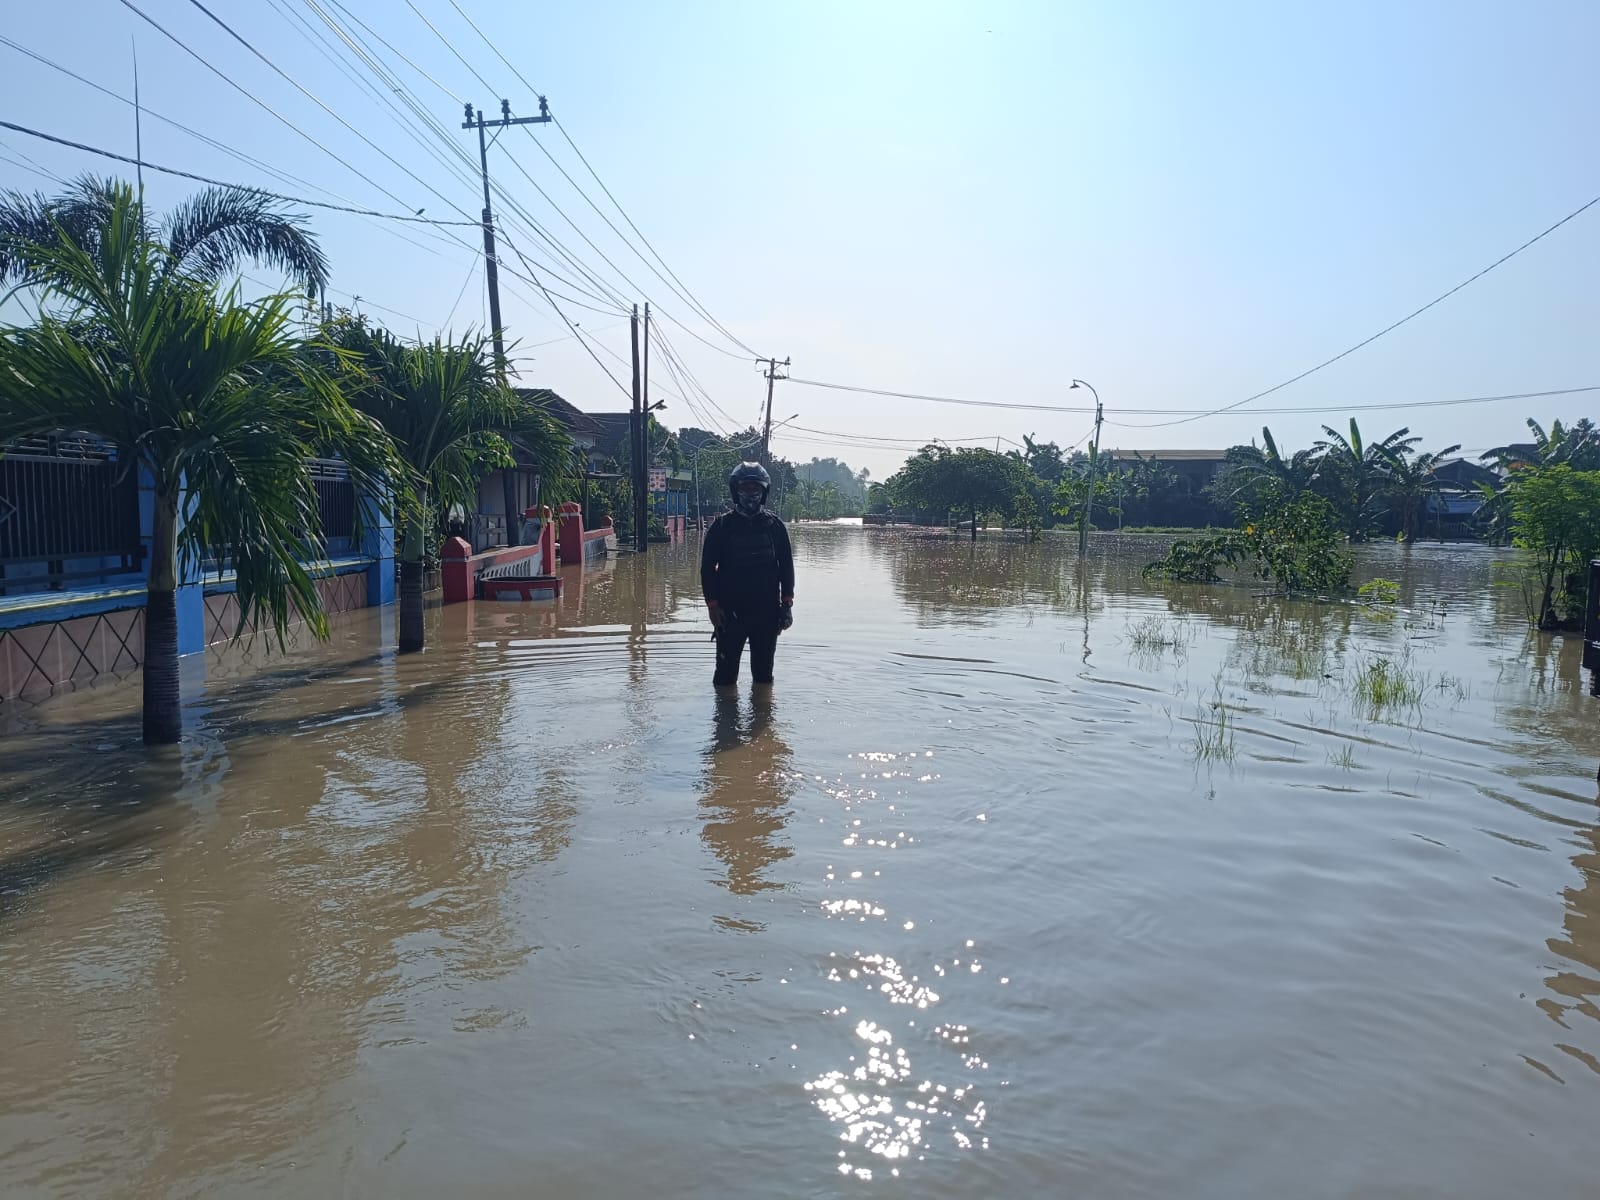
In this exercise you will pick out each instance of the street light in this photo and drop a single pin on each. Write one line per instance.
(1094, 456)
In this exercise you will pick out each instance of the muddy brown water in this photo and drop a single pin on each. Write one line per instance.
(1019, 883)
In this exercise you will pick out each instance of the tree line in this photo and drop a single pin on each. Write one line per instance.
(1289, 513)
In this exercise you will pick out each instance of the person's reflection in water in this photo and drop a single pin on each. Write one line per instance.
(745, 801)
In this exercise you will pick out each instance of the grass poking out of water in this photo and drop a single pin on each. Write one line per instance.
(1382, 684)
(1151, 635)
(1214, 738)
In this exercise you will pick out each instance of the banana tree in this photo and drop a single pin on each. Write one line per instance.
(1356, 471)
(1410, 481)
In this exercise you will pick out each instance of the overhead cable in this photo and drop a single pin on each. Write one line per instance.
(150, 166)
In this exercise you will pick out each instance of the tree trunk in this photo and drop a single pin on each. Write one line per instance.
(412, 629)
(1547, 617)
(508, 482)
(974, 524)
(163, 701)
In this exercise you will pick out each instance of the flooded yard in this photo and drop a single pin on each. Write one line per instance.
(1024, 880)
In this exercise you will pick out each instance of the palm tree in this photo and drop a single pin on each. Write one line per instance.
(1410, 481)
(1361, 467)
(1578, 446)
(447, 413)
(215, 401)
(206, 237)
(1254, 469)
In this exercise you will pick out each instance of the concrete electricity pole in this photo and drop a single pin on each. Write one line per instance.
(641, 419)
(491, 270)
(766, 431)
(491, 264)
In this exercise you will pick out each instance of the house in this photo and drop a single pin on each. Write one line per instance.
(516, 489)
(1453, 510)
(1199, 467)
(612, 433)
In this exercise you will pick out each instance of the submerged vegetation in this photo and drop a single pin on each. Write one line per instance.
(1214, 739)
(1296, 544)
(1381, 684)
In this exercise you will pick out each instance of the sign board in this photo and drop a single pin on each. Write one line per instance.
(658, 479)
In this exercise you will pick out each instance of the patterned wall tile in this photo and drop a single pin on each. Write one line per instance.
(39, 659)
(36, 660)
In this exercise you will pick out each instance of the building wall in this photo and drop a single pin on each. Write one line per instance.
(37, 660)
(51, 656)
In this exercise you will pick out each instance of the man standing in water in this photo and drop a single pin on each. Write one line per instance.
(747, 575)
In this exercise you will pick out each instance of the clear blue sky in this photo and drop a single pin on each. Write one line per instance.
(1181, 203)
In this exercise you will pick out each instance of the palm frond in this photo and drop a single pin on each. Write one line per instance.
(28, 223)
(212, 396)
(210, 233)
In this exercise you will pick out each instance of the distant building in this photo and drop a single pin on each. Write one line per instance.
(1199, 467)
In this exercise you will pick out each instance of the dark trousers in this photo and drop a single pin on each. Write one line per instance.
(730, 647)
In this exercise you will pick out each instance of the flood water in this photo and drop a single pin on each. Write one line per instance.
(1018, 883)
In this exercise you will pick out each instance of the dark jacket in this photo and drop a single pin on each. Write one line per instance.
(746, 564)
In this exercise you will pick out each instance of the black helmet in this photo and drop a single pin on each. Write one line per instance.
(749, 472)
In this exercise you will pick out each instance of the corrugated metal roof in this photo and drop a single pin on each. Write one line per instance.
(1172, 455)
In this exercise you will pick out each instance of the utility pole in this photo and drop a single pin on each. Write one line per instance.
(491, 264)
(508, 478)
(1094, 459)
(641, 477)
(766, 432)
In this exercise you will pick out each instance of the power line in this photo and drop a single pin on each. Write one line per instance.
(567, 337)
(671, 351)
(242, 41)
(867, 391)
(150, 166)
(687, 298)
(214, 143)
(1193, 414)
(253, 98)
(625, 391)
(676, 284)
(699, 413)
(504, 266)
(314, 99)
(1328, 362)
(1341, 409)
(369, 58)
(486, 84)
(471, 272)
(315, 7)
(25, 163)
(318, 40)
(887, 438)
(150, 112)
(353, 296)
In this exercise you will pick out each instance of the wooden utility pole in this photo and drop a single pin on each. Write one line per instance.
(641, 477)
(492, 276)
(766, 430)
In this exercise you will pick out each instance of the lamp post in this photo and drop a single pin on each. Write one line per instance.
(1094, 456)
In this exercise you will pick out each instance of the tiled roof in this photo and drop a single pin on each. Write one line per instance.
(569, 414)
